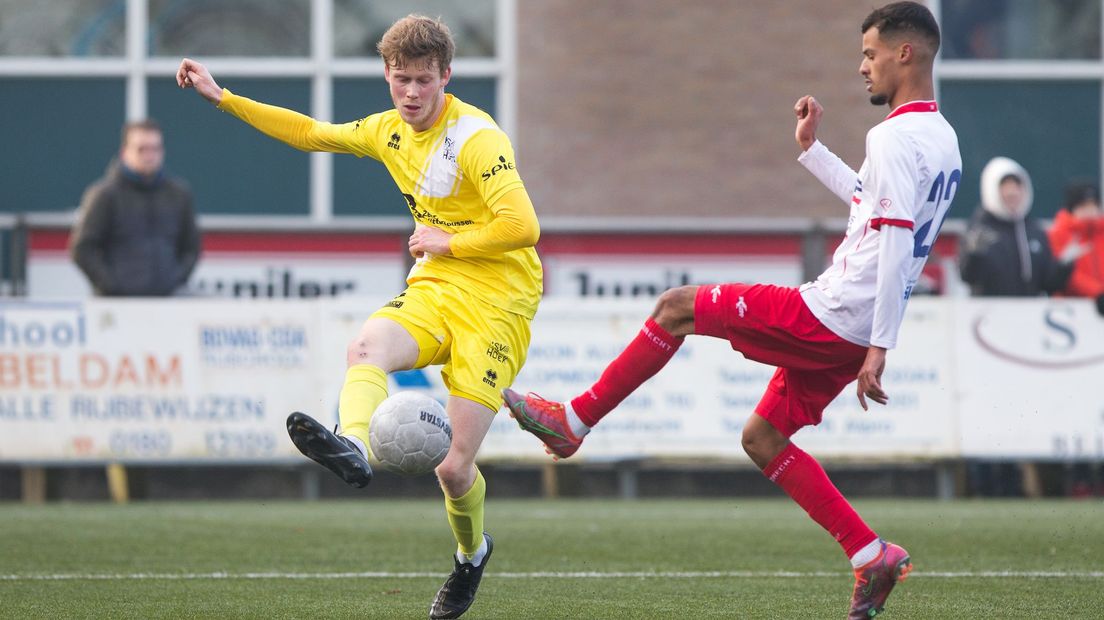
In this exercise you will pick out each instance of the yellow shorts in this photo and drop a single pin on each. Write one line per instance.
(481, 346)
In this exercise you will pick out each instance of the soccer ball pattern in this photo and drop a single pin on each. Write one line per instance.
(410, 433)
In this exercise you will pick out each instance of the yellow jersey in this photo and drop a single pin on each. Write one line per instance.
(451, 175)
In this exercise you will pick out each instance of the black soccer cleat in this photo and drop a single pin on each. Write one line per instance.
(458, 593)
(335, 453)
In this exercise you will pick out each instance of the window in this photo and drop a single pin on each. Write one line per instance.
(1023, 79)
(359, 24)
(72, 60)
(1021, 30)
(1019, 119)
(231, 167)
(246, 28)
(52, 150)
(62, 28)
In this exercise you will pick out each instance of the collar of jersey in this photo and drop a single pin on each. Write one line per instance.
(914, 106)
(441, 118)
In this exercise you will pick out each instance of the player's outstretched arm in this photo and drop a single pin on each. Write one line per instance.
(293, 128)
(808, 111)
(192, 74)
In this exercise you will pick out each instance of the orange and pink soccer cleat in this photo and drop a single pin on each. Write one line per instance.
(546, 419)
(875, 580)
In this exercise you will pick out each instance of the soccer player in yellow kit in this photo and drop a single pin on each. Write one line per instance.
(474, 287)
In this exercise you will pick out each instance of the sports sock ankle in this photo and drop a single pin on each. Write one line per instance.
(477, 558)
(867, 554)
(578, 427)
(358, 443)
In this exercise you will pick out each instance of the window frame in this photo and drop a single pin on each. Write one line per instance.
(948, 70)
(322, 67)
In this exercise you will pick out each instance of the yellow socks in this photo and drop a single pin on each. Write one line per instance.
(465, 516)
(365, 388)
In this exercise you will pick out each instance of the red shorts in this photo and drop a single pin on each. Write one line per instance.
(772, 325)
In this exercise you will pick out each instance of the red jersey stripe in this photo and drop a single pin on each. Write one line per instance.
(877, 223)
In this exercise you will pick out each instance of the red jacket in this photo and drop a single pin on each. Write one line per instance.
(1088, 272)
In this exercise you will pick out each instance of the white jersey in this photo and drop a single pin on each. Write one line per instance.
(898, 200)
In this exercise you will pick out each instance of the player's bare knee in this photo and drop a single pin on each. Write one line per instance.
(761, 446)
(456, 476)
(446, 472)
(361, 350)
(674, 310)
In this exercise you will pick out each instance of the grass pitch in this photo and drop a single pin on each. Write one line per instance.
(687, 559)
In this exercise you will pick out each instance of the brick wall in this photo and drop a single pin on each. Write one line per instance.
(685, 108)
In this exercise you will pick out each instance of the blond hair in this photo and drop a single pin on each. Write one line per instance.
(417, 38)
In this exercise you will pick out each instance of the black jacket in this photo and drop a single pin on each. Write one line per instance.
(989, 258)
(135, 238)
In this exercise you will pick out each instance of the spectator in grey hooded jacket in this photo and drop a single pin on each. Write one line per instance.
(136, 232)
(1005, 251)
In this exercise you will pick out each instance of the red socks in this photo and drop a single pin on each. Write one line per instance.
(804, 480)
(652, 348)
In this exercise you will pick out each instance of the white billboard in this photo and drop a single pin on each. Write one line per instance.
(212, 380)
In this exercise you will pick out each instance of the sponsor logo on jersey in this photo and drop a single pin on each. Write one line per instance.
(426, 217)
(498, 352)
(502, 166)
(449, 152)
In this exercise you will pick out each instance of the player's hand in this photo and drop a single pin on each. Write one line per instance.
(870, 378)
(192, 74)
(429, 240)
(808, 111)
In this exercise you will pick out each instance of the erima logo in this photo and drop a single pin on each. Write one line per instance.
(394, 143)
(741, 306)
(716, 292)
(397, 302)
(504, 165)
(491, 377)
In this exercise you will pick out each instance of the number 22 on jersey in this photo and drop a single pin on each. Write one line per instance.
(939, 200)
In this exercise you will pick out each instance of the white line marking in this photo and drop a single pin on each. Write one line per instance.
(549, 575)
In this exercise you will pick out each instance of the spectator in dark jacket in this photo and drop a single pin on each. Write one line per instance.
(1005, 251)
(136, 232)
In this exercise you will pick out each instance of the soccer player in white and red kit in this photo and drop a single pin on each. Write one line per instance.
(829, 332)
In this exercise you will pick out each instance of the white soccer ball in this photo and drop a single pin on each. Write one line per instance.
(410, 433)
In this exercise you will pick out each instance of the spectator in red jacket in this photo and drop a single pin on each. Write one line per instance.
(1081, 222)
